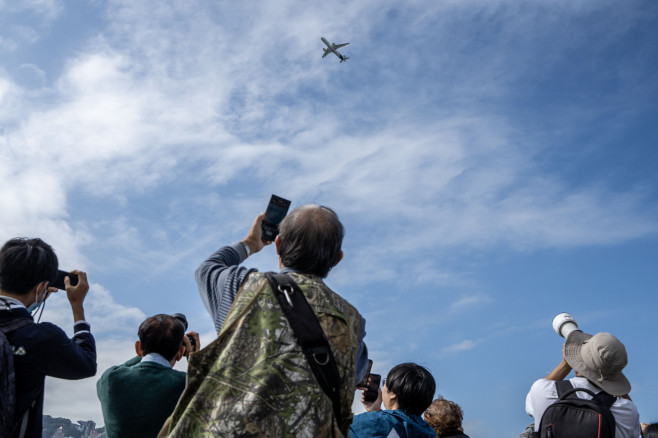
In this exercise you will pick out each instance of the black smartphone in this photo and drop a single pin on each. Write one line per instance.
(59, 281)
(373, 388)
(277, 209)
(363, 384)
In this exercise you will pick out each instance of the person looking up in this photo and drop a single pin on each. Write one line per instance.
(27, 267)
(598, 362)
(138, 396)
(406, 392)
(255, 378)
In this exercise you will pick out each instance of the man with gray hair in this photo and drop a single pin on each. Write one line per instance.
(598, 362)
(254, 379)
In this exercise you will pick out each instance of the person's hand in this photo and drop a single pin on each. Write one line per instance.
(188, 345)
(374, 405)
(255, 234)
(76, 294)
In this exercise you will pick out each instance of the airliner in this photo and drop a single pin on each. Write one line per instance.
(333, 48)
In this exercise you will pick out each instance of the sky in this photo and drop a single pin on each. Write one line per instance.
(493, 162)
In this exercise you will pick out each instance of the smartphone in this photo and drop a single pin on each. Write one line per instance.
(373, 388)
(277, 209)
(59, 281)
(363, 384)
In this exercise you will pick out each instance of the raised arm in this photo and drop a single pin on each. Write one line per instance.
(220, 276)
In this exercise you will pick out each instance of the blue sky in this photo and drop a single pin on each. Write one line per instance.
(494, 163)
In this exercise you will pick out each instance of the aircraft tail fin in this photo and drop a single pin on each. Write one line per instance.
(344, 58)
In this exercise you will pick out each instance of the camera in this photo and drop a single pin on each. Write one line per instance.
(563, 324)
(183, 320)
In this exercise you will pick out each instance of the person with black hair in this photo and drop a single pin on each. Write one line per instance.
(27, 267)
(649, 430)
(406, 392)
(139, 395)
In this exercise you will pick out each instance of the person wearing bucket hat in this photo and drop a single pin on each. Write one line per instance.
(597, 361)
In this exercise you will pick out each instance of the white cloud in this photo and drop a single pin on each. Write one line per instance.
(464, 345)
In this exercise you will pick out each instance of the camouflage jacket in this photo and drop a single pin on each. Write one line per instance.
(254, 380)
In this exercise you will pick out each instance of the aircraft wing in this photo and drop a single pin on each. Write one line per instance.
(326, 52)
(338, 46)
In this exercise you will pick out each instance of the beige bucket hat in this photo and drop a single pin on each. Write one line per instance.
(599, 358)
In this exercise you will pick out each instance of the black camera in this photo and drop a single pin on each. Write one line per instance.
(183, 320)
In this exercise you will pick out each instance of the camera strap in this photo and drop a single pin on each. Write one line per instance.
(310, 336)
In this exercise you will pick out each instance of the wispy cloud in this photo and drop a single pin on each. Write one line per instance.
(464, 345)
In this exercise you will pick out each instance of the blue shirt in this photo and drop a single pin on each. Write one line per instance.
(390, 424)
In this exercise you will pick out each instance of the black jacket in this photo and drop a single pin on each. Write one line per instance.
(48, 351)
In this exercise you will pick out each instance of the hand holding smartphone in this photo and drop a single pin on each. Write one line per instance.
(370, 385)
(372, 392)
(277, 209)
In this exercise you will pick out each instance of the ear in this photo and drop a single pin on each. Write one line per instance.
(39, 288)
(138, 348)
(340, 257)
(181, 353)
(277, 242)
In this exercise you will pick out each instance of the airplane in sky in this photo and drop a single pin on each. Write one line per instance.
(334, 48)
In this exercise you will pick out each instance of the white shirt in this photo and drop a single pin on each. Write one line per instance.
(544, 393)
(157, 358)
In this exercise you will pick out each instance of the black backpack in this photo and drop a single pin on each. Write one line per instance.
(573, 417)
(8, 377)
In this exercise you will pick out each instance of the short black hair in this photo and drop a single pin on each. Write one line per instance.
(651, 431)
(311, 237)
(413, 385)
(24, 263)
(162, 334)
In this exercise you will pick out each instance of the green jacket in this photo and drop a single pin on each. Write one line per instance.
(254, 380)
(137, 397)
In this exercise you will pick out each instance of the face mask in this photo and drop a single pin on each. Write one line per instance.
(34, 307)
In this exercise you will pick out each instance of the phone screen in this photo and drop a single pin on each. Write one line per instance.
(59, 281)
(277, 209)
(373, 388)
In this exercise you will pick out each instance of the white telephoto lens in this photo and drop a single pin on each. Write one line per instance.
(563, 324)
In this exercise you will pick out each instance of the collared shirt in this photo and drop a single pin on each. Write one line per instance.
(157, 358)
(10, 302)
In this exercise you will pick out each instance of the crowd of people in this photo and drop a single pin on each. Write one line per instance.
(286, 361)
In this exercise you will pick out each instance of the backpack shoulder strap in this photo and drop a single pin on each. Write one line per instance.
(563, 386)
(310, 336)
(607, 399)
(14, 324)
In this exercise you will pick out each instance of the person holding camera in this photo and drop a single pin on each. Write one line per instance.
(255, 379)
(406, 393)
(138, 396)
(27, 267)
(598, 362)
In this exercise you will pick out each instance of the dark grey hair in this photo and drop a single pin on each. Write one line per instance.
(311, 237)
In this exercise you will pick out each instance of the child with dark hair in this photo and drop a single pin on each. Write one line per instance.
(406, 392)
